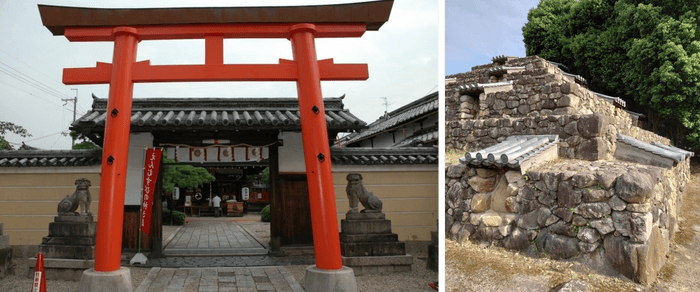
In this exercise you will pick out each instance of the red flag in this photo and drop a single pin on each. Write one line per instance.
(150, 175)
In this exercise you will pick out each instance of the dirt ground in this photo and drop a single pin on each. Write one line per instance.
(470, 267)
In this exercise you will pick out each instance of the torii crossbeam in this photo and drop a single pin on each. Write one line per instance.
(300, 24)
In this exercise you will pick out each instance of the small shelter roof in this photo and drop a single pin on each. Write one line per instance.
(514, 151)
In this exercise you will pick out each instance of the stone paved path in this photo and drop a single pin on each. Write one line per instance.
(220, 279)
(214, 237)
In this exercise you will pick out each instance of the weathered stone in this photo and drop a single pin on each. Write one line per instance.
(499, 196)
(617, 204)
(512, 205)
(592, 210)
(482, 185)
(634, 187)
(481, 202)
(513, 176)
(534, 175)
(491, 218)
(551, 220)
(455, 170)
(499, 104)
(571, 128)
(607, 179)
(565, 111)
(567, 88)
(588, 247)
(640, 262)
(551, 181)
(486, 172)
(475, 218)
(568, 100)
(589, 235)
(532, 220)
(604, 225)
(518, 240)
(578, 220)
(523, 109)
(593, 125)
(547, 198)
(528, 192)
(508, 218)
(639, 208)
(454, 195)
(640, 226)
(485, 233)
(449, 220)
(583, 180)
(464, 233)
(594, 195)
(562, 228)
(567, 196)
(557, 246)
(593, 149)
(565, 214)
(527, 206)
(575, 285)
(454, 230)
(504, 230)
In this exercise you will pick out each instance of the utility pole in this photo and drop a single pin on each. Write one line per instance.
(75, 105)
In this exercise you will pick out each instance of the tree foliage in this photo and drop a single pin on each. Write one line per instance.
(85, 141)
(646, 51)
(184, 176)
(6, 127)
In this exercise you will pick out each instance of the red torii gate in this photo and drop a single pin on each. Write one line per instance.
(301, 25)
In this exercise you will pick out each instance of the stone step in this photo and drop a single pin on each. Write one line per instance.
(368, 237)
(356, 249)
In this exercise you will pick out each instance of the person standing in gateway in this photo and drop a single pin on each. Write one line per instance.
(217, 206)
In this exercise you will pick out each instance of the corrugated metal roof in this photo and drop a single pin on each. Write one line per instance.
(50, 158)
(513, 151)
(670, 152)
(425, 106)
(384, 156)
(150, 114)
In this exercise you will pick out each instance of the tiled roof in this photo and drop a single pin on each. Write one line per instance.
(577, 78)
(384, 156)
(418, 139)
(618, 102)
(49, 158)
(479, 87)
(425, 106)
(670, 152)
(149, 114)
(512, 152)
(500, 70)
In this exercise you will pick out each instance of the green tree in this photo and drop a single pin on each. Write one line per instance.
(184, 176)
(85, 141)
(646, 51)
(6, 127)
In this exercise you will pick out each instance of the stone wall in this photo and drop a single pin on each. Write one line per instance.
(619, 215)
(541, 101)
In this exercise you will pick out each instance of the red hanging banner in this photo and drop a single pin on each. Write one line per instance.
(150, 175)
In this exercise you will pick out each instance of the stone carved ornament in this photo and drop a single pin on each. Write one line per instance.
(80, 198)
(357, 193)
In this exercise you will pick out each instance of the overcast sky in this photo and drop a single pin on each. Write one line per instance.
(402, 58)
(476, 31)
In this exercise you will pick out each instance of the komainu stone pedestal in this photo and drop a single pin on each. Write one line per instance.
(368, 246)
(433, 252)
(5, 254)
(70, 247)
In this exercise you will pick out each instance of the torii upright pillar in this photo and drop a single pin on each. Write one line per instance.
(112, 25)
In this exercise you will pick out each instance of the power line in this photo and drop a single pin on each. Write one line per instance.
(49, 135)
(431, 90)
(30, 67)
(32, 82)
(31, 94)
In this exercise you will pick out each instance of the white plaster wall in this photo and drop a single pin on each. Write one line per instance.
(138, 142)
(291, 155)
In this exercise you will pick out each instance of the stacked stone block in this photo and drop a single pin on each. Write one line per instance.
(622, 212)
(70, 247)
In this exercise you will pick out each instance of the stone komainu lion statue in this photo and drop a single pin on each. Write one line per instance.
(357, 193)
(81, 197)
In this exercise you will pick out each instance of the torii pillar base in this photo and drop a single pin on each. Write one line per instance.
(318, 280)
(117, 281)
